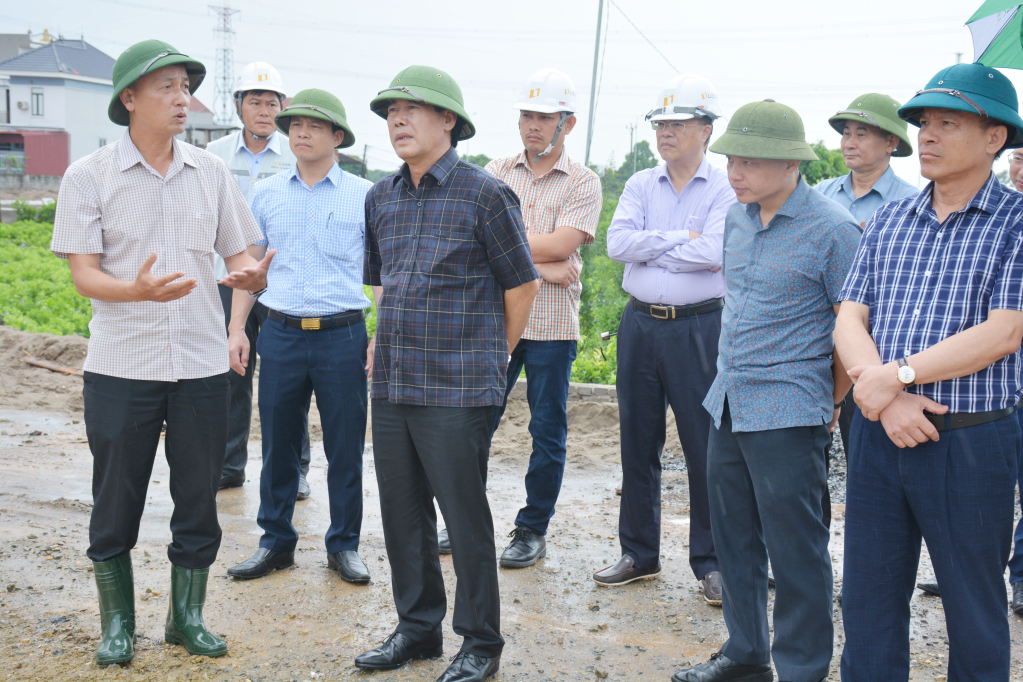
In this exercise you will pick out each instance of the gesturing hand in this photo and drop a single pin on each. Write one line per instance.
(149, 287)
(252, 278)
(904, 419)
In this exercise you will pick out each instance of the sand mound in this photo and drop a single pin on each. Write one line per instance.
(26, 387)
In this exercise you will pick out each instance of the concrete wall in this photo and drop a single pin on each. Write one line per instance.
(36, 182)
(87, 117)
(54, 104)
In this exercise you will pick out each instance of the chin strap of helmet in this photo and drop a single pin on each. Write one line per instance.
(554, 140)
(238, 107)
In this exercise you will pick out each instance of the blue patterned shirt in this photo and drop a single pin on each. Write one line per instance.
(889, 187)
(318, 233)
(444, 252)
(926, 281)
(782, 283)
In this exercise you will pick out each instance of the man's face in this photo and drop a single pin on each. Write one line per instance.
(756, 179)
(418, 130)
(537, 129)
(1016, 168)
(681, 139)
(313, 139)
(865, 147)
(258, 112)
(158, 101)
(954, 143)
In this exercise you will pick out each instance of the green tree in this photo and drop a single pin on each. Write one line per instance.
(480, 160)
(829, 165)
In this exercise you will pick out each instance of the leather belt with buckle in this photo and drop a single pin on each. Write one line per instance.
(961, 420)
(316, 323)
(672, 312)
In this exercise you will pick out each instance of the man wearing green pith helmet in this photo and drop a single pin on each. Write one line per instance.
(139, 221)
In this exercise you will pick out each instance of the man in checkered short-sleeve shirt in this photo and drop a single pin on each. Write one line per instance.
(561, 202)
(139, 221)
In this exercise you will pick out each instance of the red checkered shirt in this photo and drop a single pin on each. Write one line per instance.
(567, 195)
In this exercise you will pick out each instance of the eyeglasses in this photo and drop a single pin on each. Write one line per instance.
(677, 127)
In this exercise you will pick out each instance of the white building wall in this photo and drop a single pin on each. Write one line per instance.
(54, 105)
(86, 118)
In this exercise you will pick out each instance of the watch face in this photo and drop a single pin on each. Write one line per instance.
(906, 375)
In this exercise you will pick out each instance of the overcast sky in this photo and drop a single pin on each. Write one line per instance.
(814, 56)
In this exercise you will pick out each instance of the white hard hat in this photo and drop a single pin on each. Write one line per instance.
(686, 96)
(548, 91)
(259, 76)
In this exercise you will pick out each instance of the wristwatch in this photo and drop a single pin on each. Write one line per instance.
(906, 374)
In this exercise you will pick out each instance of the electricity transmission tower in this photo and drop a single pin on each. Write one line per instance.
(223, 35)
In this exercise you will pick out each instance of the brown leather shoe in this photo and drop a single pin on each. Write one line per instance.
(712, 588)
(1017, 598)
(624, 572)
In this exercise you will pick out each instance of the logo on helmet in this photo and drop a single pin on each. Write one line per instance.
(535, 92)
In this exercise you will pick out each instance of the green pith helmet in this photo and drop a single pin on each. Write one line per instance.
(880, 111)
(146, 57)
(975, 88)
(765, 130)
(317, 104)
(429, 85)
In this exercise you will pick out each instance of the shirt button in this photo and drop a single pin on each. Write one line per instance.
(927, 274)
(419, 203)
(908, 353)
(916, 312)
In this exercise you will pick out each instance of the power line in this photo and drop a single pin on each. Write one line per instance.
(642, 34)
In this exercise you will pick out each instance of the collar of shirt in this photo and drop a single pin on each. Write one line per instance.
(273, 144)
(129, 155)
(561, 165)
(883, 186)
(439, 171)
(334, 175)
(701, 172)
(789, 209)
(986, 200)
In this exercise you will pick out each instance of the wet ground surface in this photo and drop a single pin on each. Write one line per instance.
(305, 623)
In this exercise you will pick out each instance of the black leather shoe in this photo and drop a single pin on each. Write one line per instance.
(303, 489)
(470, 668)
(397, 650)
(443, 542)
(525, 549)
(1017, 598)
(625, 572)
(720, 668)
(236, 481)
(349, 566)
(712, 588)
(261, 563)
(929, 587)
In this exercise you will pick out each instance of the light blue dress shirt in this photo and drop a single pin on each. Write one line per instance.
(889, 187)
(318, 232)
(253, 160)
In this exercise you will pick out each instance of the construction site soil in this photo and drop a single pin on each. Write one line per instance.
(305, 623)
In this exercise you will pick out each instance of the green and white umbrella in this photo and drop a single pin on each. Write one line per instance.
(997, 29)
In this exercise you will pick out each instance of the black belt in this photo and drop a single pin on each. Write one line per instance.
(671, 312)
(314, 323)
(961, 420)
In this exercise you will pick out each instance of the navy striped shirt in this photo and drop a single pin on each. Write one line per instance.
(926, 281)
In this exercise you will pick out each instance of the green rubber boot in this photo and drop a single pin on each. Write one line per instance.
(116, 586)
(184, 618)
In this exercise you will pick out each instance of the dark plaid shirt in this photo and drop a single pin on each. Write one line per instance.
(445, 253)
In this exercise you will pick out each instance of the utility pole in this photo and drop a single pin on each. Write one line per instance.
(593, 83)
(223, 35)
(365, 150)
(959, 57)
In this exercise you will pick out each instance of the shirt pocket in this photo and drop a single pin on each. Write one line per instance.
(342, 239)
(201, 232)
(695, 223)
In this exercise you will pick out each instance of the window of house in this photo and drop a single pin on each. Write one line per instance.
(37, 101)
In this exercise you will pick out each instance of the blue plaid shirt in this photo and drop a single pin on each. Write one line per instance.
(318, 233)
(445, 253)
(926, 281)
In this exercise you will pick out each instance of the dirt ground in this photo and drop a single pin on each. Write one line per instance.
(307, 624)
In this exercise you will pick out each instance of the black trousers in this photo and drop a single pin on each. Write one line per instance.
(426, 452)
(661, 363)
(239, 420)
(123, 420)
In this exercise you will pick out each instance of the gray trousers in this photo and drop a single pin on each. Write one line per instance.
(765, 497)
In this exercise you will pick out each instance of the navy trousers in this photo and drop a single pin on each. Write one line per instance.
(548, 368)
(661, 363)
(1016, 562)
(766, 489)
(958, 495)
(294, 364)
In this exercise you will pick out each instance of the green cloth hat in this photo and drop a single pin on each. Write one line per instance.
(430, 85)
(765, 130)
(975, 88)
(880, 111)
(317, 104)
(146, 57)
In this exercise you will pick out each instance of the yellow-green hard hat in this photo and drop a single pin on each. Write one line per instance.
(428, 85)
(880, 111)
(146, 57)
(765, 130)
(317, 104)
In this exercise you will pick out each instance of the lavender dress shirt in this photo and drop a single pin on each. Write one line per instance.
(650, 234)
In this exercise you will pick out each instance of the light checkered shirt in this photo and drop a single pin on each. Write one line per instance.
(115, 204)
(568, 195)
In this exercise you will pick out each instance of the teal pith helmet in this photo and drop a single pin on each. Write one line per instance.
(880, 111)
(973, 88)
(317, 104)
(431, 86)
(146, 57)
(765, 130)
